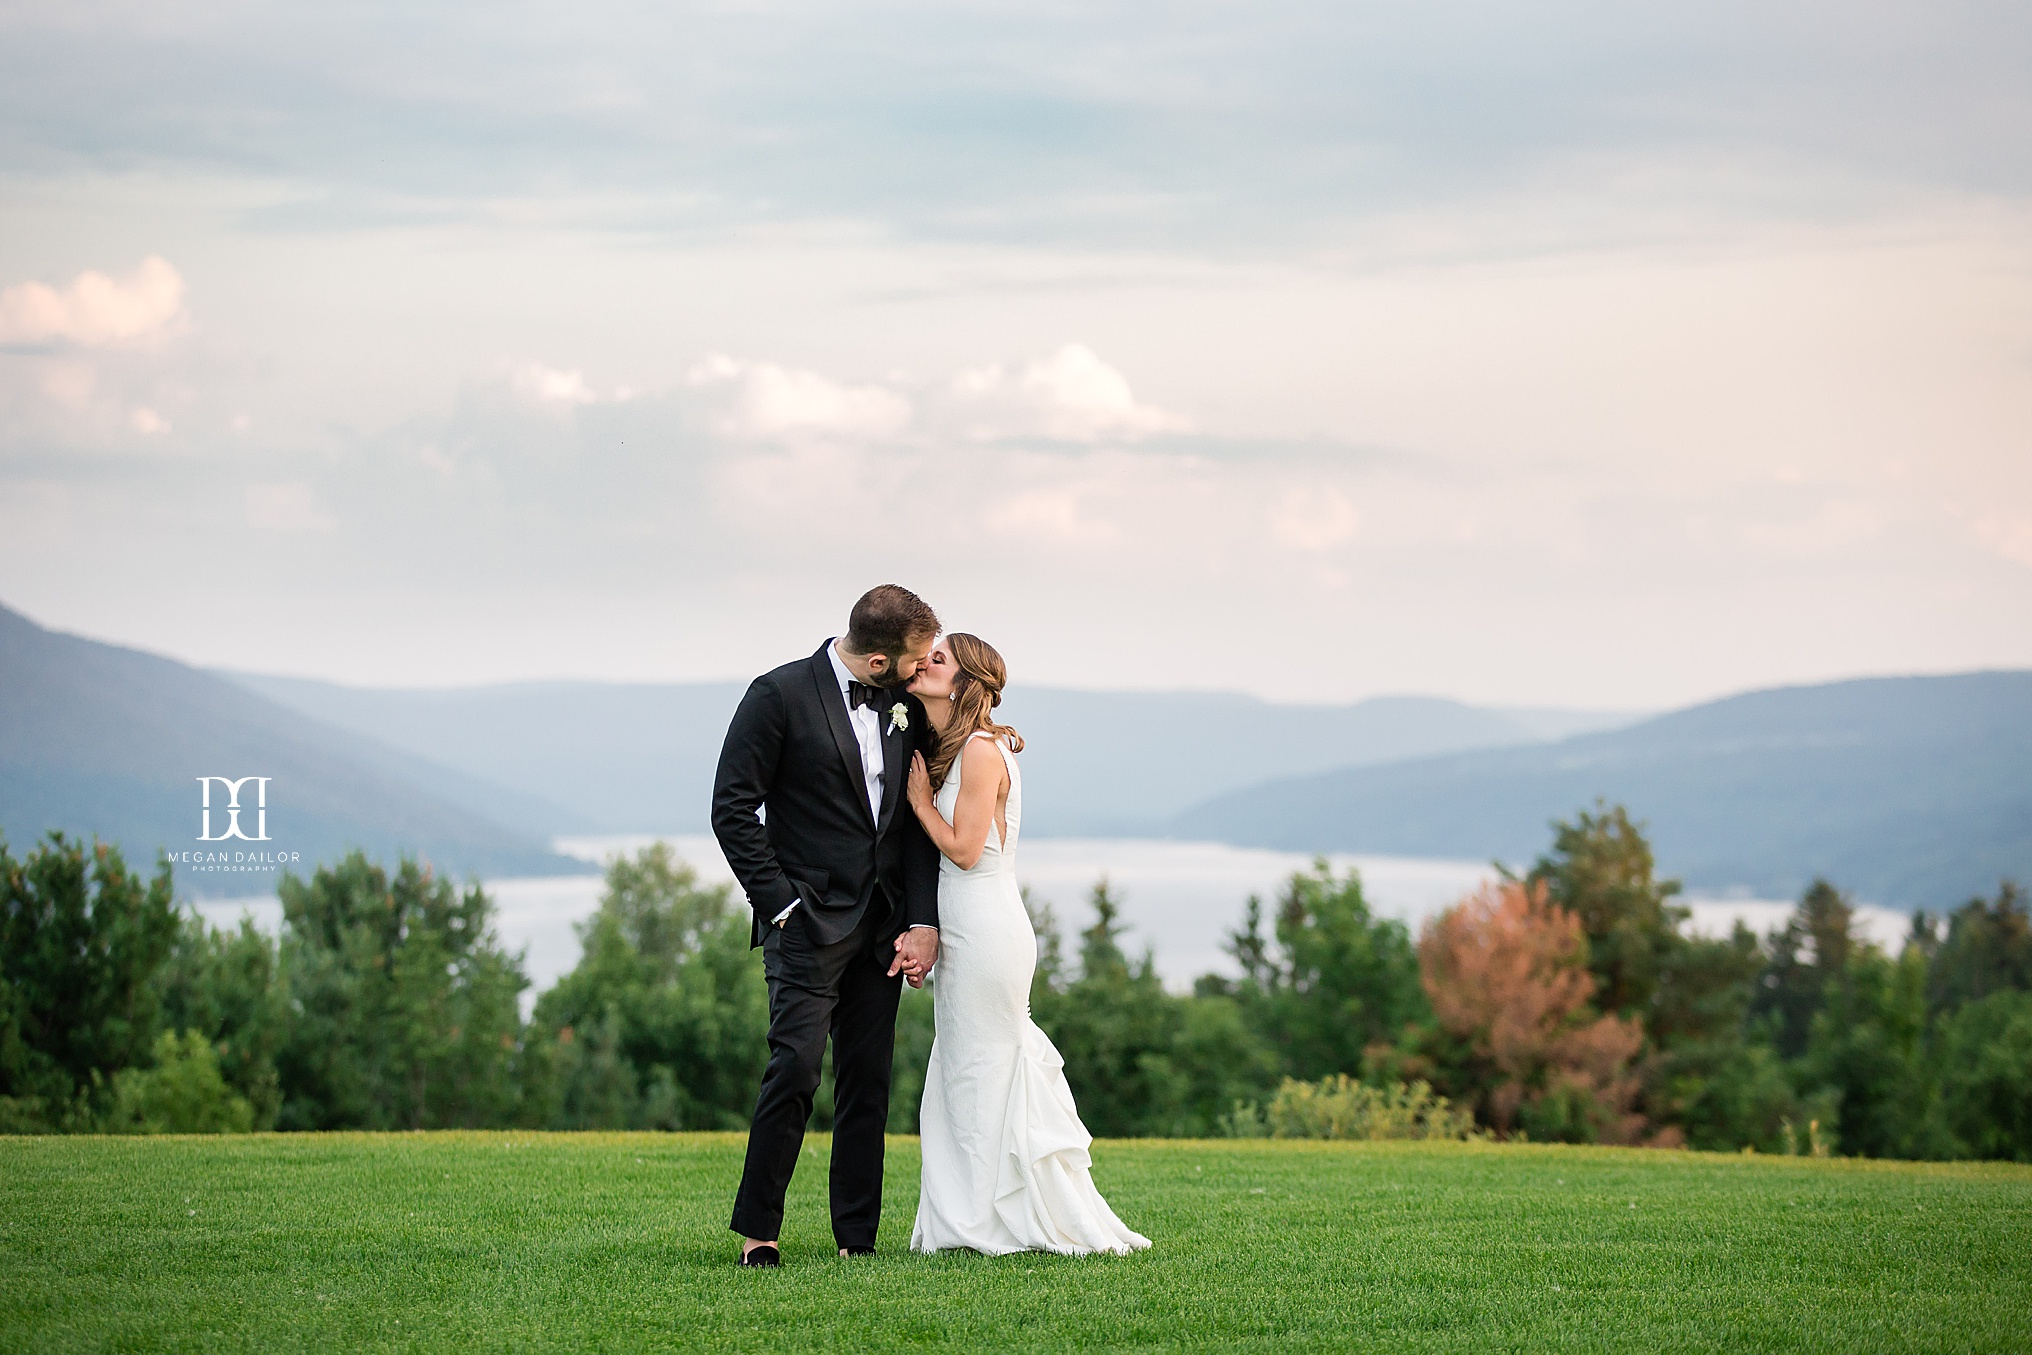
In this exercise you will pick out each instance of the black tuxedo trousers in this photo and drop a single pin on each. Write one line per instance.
(843, 990)
(791, 812)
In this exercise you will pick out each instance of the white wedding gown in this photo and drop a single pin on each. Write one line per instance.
(1005, 1155)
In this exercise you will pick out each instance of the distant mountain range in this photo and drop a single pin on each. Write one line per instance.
(1910, 791)
(583, 757)
(1913, 792)
(639, 758)
(99, 739)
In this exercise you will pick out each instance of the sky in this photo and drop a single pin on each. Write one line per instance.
(1612, 355)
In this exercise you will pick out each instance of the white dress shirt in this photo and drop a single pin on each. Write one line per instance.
(867, 723)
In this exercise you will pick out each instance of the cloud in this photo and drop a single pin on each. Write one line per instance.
(2009, 535)
(1314, 519)
(766, 401)
(95, 310)
(68, 384)
(1071, 395)
(1504, 315)
(562, 389)
(147, 422)
(1216, 124)
(286, 508)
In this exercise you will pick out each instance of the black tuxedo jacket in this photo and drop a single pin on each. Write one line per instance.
(791, 753)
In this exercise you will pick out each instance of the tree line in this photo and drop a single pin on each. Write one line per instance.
(1567, 1002)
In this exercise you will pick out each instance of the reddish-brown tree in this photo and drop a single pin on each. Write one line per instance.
(1506, 972)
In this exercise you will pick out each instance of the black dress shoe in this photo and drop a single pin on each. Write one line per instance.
(762, 1256)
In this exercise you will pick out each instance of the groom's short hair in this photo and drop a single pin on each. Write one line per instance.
(888, 620)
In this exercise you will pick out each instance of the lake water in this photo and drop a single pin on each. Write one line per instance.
(1179, 899)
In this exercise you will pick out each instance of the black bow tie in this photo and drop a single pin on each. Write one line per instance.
(861, 694)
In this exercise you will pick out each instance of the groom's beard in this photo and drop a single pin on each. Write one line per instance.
(891, 680)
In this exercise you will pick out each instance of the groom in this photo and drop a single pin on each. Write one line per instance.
(844, 885)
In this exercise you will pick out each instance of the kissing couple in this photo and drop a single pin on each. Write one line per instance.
(854, 894)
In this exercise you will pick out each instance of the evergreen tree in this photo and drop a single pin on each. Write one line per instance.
(664, 1021)
(1711, 1073)
(406, 1006)
(1601, 870)
(1811, 952)
(1690, 992)
(1988, 949)
(914, 1032)
(1337, 982)
(1985, 1056)
(227, 987)
(1142, 1061)
(80, 940)
(1867, 1045)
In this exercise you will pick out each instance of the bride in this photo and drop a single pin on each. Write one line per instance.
(1005, 1154)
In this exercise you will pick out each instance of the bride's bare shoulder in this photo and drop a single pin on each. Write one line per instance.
(980, 752)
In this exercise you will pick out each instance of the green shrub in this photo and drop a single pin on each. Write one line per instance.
(1731, 1094)
(184, 1093)
(1339, 1107)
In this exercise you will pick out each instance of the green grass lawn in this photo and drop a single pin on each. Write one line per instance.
(512, 1241)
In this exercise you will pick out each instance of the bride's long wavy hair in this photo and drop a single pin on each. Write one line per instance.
(977, 690)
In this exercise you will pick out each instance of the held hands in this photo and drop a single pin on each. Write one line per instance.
(919, 789)
(916, 953)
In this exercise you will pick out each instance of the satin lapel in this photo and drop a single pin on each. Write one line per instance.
(893, 742)
(834, 702)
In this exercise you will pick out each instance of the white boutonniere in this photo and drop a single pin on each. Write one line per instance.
(899, 718)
